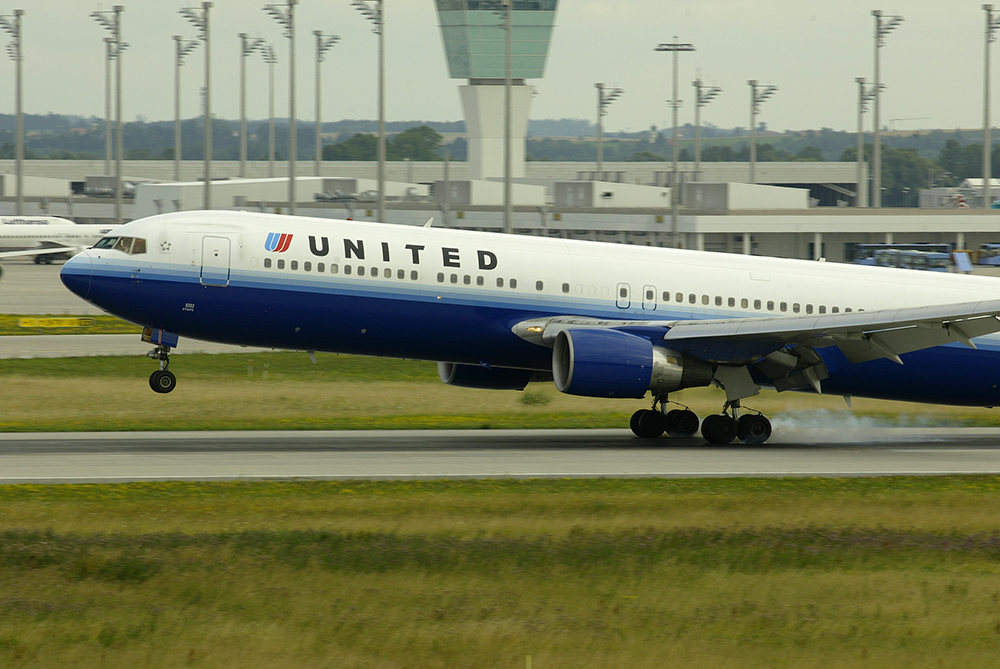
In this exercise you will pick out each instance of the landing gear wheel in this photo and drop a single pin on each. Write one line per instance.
(162, 381)
(718, 429)
(753, 429)
(681, 423)
(647, 423)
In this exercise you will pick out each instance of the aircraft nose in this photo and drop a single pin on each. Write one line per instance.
(75, 274)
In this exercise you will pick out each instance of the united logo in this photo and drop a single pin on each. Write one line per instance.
(277, 242)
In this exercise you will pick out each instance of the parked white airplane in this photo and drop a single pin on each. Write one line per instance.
(603, 320)
(46, 237)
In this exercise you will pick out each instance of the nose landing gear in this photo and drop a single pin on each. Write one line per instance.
(162, 380)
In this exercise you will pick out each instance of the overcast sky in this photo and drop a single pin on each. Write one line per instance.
(811, 49)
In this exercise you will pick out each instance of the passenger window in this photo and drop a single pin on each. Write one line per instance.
(718, 300)
(666, 296)
(836, 310)
(499, 282)
(320, 267)
(387, 273)
(453, 278)
(307, 266)
(679, 297)
(413, 275)
(732, 301)
(623, 292)
(467, 280)
(649, 295)
(267, 263)
(796, 308)
(539, 285)
(347, 270)
(281, 264)
(401, 274)
(784, 306)
(822, 309)
(334, 268)
(513, 284)
(756, 304)
(480, 281)
(847, 310)
(770, 305)
(565, 287)
(809, 308)
(440, 277)
(744, 303)
(692, 298)
(704, 299)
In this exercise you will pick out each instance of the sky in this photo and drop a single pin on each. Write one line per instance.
(812, 50)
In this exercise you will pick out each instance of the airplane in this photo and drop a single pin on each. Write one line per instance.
(600, 320)
(46, 237)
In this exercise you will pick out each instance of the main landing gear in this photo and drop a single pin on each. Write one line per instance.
(720, 428)
(162, 380)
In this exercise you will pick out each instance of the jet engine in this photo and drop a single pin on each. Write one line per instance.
(611, 363)
(489, 378)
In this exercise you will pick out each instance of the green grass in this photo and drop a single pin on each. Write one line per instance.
(636, 573)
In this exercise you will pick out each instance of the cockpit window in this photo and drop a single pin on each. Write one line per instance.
(130, 245)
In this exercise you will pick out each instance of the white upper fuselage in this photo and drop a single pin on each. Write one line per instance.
(26, 233)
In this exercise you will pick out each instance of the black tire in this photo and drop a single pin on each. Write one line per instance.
(647, 424)
(753, 430)
(681, 423)
(162, 381)
(718, 429)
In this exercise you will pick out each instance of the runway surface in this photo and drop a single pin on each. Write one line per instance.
(194, 456)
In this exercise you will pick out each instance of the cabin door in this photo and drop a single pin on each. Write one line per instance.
(215, 261)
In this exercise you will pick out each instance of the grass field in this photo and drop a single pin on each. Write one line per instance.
(286, 391)
(581, 573)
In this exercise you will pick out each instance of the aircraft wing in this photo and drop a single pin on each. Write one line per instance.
(860, 335)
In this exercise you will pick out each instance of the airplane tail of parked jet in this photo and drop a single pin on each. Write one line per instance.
(602, 320)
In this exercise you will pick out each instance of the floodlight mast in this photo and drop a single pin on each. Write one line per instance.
(992, 25)
(247, 46)
(866, 93)
(883, 26)
(758, 94)
(323, 44)
(12, 25)
(675, 47)
(286, 17)
(703, 95)
(267, 51)
(182, 48)
(200, 21)
(605, 96)
(112, 21)
(372, 10)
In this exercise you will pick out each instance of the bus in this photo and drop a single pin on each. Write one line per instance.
(864, 254)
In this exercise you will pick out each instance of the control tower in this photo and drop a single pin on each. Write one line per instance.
(475, 45)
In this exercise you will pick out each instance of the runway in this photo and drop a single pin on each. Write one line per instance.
(220, 456)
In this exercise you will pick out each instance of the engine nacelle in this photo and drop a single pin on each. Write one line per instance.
(610, 363)
(489, 378)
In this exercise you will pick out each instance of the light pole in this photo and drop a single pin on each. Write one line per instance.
(702, 95)
(373, 12)
(112, 21)
(247, 47)
(992, 24)
(12, 25)
(182, 48)
(866, 93)
(323, 44)
(883, 26)
(267, 51)
(675, 47)
(758, 94)
(286, 17)
(604, 99)
(200, 21)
